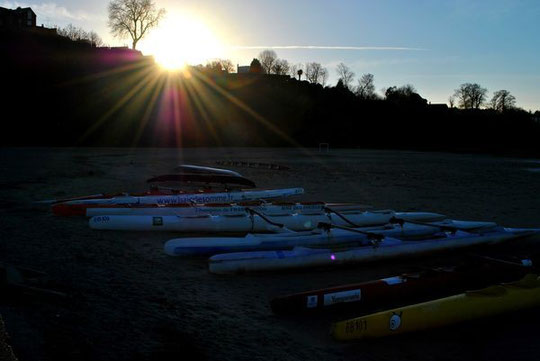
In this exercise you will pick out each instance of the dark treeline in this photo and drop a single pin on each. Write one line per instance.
(56, 91)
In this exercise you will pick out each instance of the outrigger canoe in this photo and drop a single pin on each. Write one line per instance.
(322, 237)
(403, 289)
(227, 181)
(304, 257)
(203, 175)
(218, 209)
(490, 301)
(198, 169)
(154, 198)
(246, 223)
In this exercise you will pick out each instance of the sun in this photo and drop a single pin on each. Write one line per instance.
(181, 40)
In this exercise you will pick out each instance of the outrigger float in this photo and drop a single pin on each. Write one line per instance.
(322, 237)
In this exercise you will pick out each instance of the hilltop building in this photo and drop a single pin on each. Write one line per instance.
(22, 19)
(438, 106)
(240, 69)
(18, 18)
(19, 26)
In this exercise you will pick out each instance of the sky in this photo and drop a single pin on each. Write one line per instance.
(433, 45)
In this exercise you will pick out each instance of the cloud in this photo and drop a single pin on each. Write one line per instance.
(318, 47)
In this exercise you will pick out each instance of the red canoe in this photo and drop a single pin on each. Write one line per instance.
(399, 290)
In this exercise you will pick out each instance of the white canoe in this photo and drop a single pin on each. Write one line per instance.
(203, 197)
(235, 209)
(214, 245)
(198, 246)
(302, 257)
(247, 223)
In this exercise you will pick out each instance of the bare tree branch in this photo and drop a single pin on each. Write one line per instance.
(220, 66)
(267, 58)
(345, 74)
(324, 76)
(451, 100)
(281, 67)
(133, 18)
(95, 39)
(502, 100)
(470, 96)
(366, 87)
(316, 73)
(76, 34)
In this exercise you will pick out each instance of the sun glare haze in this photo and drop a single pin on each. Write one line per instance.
(180, 40)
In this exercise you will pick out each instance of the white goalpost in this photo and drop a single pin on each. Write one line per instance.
(324, 147)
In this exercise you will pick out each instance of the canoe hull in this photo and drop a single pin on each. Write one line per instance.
(467, 306)
(243, 223)
(322, 238)
(252, 242)
(235, 209)
(78, 207)
(399, 290)
(387, 249)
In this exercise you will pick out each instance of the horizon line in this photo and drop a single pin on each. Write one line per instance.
(324, 47)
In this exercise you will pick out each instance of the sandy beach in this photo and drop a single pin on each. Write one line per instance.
(130, 301)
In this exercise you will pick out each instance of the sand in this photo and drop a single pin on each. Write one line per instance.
(131, 301)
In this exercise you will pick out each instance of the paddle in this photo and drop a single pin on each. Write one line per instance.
(525, 262)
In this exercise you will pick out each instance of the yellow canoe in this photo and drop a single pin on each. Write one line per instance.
(490, 301)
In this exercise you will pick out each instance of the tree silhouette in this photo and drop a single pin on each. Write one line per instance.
(220, 66)
(324, 76)
(228, 65)
(95, 39)
(72, 32)
(470, 96)
(133, 18)
(214, 67)
(300, 72)
(281, 67)
(316, 73)
(76, 34)
(345, 74)
(255, 66)
(366, 87)
(405, 95)
(451, 101)
(502, 100)
(267, 58)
